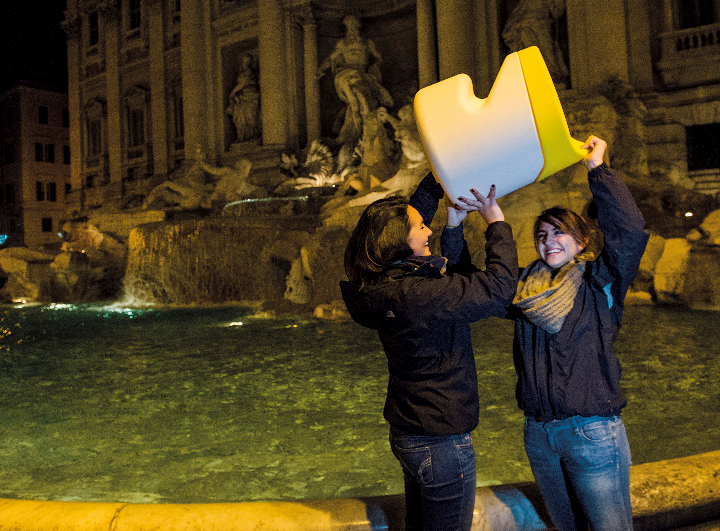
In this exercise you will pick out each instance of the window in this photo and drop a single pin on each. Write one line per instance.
(703, 152)
(94, 138)
(134, 14)
(136, 127)
(179, 117)
(93, 29)
(66, 154)
(694, 13)
(45, 191)
(43, 114)
(9, 194)
(8, 154)
(46, 224)
(136, 100)
(44, 152)
(66, 118)
(68, 188)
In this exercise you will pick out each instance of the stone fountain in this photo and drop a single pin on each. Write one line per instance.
(215, 236)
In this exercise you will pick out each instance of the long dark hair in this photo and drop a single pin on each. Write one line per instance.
(378, 240)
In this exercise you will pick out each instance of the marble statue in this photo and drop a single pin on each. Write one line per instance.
(406, 132)
(316, 171)
(205, 186)
(355, 63)
(531, 24)
(191, 191)
(232, 184)
(244, 101)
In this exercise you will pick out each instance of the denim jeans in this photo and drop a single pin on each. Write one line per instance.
(582, 466)
(439, 480)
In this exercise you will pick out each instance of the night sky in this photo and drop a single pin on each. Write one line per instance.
(32, 43)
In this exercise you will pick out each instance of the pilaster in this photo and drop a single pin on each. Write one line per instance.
(456, 42)
(427, 61)
(158, 95)
(194, 82)
(597, 41)
(273, 95)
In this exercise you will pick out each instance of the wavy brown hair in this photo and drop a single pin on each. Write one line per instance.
(378, 240)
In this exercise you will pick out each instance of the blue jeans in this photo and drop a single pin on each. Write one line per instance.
(439, 480)
(582, 466)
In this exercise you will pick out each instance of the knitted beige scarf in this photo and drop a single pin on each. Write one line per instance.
(546, 299)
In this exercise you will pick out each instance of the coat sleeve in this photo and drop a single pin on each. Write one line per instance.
(471, 296)
(622, 226)
(426, 196)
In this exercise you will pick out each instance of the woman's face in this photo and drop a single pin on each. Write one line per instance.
(419, 233)
(556, 247)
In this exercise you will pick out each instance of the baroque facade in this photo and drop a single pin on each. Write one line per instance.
(156, 85)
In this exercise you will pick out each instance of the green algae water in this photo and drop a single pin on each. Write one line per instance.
(156, 405)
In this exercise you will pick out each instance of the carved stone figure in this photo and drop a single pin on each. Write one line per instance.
(232, 184)
(531, 24)
(355, 63)
(189, 192)
(406, 133)
(244, 101)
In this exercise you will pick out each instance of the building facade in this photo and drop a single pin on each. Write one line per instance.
(155, 85)
(34, 166)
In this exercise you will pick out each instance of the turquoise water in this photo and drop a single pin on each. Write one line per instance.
(209, 405)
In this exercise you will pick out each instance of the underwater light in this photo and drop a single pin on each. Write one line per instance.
(3, 238)
(688, 214)
(236, 323)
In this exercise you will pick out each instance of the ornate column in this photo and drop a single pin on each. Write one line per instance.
(272, 72)
(427, 62)
(71, 25)
(158, 107)
(597, 50)
(456, 43)
(194, 82)
(312, 86)
(114, 143)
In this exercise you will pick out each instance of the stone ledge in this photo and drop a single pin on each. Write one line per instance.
(666, 495)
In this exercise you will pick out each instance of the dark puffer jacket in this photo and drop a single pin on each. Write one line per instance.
(575, 372)
(423, 319)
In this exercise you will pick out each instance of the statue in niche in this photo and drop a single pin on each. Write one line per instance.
(531, 24)
(244, 101)
(355, 63)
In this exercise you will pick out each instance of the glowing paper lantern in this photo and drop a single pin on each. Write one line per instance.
(516, 136)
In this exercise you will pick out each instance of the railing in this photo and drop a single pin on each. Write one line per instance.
(691, 56)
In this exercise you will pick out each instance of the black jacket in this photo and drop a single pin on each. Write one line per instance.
(423, 320)
(575, 372)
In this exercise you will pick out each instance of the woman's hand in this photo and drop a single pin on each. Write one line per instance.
(456, 214)
(486, 206)
(597, 147)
